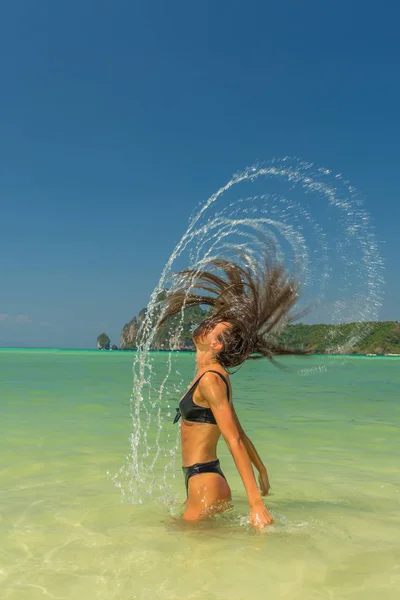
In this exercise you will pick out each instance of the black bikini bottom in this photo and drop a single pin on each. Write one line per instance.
(198, 468)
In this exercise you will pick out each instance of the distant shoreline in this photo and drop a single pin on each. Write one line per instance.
(365, 338)
(127, 351)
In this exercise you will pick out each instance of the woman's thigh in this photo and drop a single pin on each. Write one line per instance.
(208, 493)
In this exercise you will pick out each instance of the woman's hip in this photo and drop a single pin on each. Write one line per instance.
(207, 489)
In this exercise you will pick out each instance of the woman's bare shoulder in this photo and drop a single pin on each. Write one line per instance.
(212, 380)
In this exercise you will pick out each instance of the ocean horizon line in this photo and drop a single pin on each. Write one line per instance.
(100, 351)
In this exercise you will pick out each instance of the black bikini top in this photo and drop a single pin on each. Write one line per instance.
(193, 412)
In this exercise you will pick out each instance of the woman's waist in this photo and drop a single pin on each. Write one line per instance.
(198, 443)
(198, 455)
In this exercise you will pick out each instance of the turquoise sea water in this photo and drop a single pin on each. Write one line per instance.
(330, 440)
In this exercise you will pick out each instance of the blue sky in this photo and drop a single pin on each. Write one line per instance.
(117, 119)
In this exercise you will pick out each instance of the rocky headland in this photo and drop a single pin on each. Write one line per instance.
(379, 338)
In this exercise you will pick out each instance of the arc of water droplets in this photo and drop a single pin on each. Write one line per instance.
(221, 228)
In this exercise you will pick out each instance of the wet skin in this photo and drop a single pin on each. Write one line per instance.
(209, 493)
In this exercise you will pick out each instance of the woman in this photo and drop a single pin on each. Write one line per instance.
(250, 305)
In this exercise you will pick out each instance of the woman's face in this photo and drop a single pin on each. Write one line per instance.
(206, 338)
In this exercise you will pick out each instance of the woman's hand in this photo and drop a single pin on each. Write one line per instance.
(259, 516)
(263, 481)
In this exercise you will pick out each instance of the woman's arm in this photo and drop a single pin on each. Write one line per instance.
(254, 457)
(213, 390)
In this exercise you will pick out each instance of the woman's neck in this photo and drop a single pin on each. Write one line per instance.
(205, 359)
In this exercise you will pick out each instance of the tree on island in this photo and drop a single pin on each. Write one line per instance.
(103, 342)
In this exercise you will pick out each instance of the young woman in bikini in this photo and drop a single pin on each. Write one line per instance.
(250, 304)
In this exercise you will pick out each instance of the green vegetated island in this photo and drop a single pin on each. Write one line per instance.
(370, 338)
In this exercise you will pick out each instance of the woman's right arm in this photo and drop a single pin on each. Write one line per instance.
(254, 457)
(213, 390)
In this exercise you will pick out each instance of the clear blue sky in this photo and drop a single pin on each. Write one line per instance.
(118, 118)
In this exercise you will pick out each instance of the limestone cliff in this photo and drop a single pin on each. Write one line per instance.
(128, 334)
(165, 337)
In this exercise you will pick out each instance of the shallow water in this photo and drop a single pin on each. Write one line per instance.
(330, 441)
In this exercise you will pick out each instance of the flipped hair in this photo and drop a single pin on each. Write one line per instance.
(255, 297)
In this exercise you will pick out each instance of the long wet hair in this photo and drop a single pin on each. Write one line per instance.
(255, 297)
